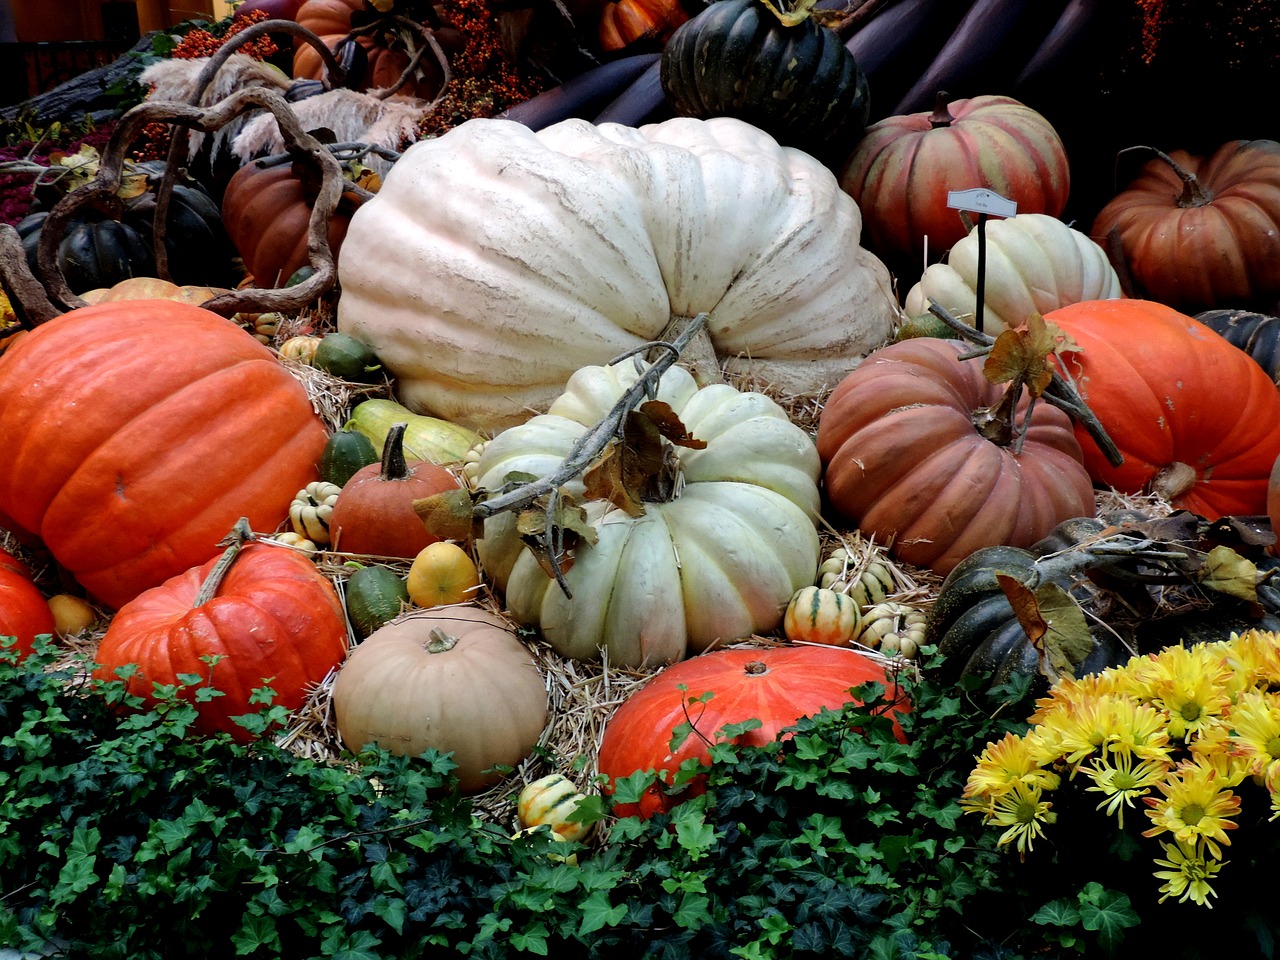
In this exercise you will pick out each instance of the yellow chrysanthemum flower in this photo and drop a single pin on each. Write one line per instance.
(1195, 805)
(1121, 781)
(1003, 765)
(1255, 718)
(1023, 813)
(1079, 729)
(1254, 659)
(1189, 873)
(1138, 728)
(1191, 685)
(1213, 749)
(1071, 690)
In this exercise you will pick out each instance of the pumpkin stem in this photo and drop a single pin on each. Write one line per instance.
(439, 641)
(1193, 192)
(995, 423)
(755, 668)
(240, 535)
(1060, 392)
(941, 116)
(1173, 481)
(790, 14)
(394, 465)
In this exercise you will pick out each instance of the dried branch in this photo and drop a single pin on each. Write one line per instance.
(102, 189)
(1060, 392)
(28, 298)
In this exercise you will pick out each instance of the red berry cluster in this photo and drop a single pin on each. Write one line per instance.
(201, 43)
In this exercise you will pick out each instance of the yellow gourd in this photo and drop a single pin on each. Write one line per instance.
(442, 573)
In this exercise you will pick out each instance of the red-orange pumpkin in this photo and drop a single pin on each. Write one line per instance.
(330, 20)
(626, 21)
(1197, 420)
(775, 685)
(267, 213)
(904, 166)
(904, 460)
(136, 432)
(24, 612)
(374, 513)
(272, 618)
(1201, 232)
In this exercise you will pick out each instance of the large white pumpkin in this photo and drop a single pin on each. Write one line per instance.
(496, 261)
(1035, 264)
(719, 561)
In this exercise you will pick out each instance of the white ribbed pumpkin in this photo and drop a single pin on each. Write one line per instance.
(495, 261)
(1035, 264)
(718, 562)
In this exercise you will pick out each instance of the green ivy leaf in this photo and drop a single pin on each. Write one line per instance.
(1107, 912)
(598, 912)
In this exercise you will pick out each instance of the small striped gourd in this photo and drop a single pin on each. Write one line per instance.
(549, 802)
(819, 615)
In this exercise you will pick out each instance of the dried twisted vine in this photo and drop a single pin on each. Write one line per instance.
(1060, 393)
(588, 447)
(334, 73)
(102, 190)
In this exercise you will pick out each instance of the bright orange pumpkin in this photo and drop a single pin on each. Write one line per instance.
(1197, 420)
(775, 685)
(904, 460)
(24, 613)
(273, 620)
(374, 513)
(625, 22)
(136, 433)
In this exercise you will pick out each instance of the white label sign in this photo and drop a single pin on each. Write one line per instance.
(982, 200)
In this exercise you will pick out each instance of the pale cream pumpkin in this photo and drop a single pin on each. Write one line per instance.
(496, 261)
(718, 561)
(1035, 264)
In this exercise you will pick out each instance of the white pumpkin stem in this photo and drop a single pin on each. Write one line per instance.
(241, 534)
(1173, 481)
(440, 642)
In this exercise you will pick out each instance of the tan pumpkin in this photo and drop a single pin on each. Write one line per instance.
(453, 679)
(905, 460)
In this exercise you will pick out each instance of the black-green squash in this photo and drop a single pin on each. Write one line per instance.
(1257, 334)
(375, 594)
(99, 251)
(798, 83)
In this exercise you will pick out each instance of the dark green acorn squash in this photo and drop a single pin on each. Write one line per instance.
(101, 250)
(798, 83)
(346, 452)
(374, 595)
(1257, 334)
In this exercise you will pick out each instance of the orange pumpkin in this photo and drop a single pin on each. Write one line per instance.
(137, 432)
(266, 210)
(905, 461)
(775, 685)
(24, 613)
(1197, 420)
(1201, 232)
(625, 22)
(330, 20)
(374, 513)
(266, 612)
